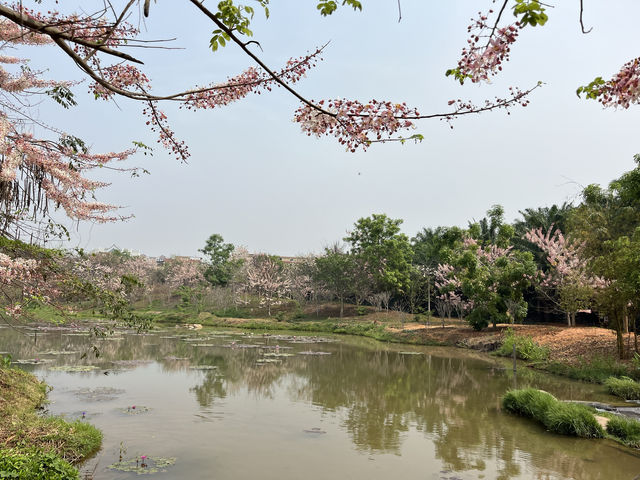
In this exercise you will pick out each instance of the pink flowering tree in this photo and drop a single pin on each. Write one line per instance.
(487, 281)
(95, 43)
(568, 283)
(267, 278)
(184, 277)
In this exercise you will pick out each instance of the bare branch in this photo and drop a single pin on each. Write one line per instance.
(581, 22)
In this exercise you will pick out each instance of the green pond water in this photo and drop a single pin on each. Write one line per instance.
(233, 405)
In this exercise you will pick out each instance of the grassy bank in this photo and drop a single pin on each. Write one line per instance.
(33, 446)
(362, 328)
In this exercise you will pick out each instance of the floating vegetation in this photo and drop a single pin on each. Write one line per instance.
(172, 337)
(32, 361)
(74, 368)
(263, 361)
(410, 353)
(315, 430)
(130, 363)
(203, 367)
(204, 345)
(77, 334)
(172, 358)
(144, 465)
(277, 354)
(99, 394)
(134, 410)
(59, 352)
(309, 352)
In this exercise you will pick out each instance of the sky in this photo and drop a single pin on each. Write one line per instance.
(257, 180)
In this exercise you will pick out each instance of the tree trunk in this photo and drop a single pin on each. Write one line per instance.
(619, 337)
(341, 307)
(573, 318)
(568, 319)
(625, 325)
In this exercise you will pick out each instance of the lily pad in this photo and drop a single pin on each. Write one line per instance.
(32, 361)
(135, 410)
(315, 430)
(58, 352)
(151, 465)
(74, 368)
(263, 361)
(99, 394)
(130, 363)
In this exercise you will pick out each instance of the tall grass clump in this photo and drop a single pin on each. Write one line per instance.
(626, 430)
(528, 402)
(623, 387)
(572, 419)
(556, 416)
(526, 348)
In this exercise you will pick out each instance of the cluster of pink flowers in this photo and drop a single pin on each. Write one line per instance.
(11, 32)
(355, 124)
(565, 257)
(184, 272)
(252, 80)
(623, 89)
(486, 50)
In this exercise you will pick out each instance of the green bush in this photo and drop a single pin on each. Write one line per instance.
(623, 387)
(478, 318)
(625, 429)
(526, 348)
(34, 465)
(556, 416)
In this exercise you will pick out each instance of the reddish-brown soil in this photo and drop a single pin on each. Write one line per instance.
(566, 344)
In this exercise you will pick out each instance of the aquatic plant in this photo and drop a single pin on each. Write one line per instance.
(144, 465)
(74, 368)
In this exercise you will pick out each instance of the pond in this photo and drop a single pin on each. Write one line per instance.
(235, 405)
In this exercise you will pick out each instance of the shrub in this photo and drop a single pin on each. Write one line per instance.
(34, 465)
(625, 429)
(478, 318)
(526, 348)
(623, 387)
(556, 416)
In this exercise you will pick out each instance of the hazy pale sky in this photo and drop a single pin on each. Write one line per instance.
(257, 180)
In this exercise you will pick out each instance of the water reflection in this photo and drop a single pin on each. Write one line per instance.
(383, 398)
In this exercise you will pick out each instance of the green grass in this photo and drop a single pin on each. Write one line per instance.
(625, 430)
(526, 348)
(30, 440)
(558, 417)
(623, 387)
(34, 465)
(596, 370)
